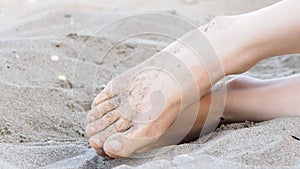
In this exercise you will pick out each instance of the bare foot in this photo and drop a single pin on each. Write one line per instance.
(139, 106)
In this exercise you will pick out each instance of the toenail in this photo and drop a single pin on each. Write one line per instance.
(91, 119)
(90, 129)
(115, 145)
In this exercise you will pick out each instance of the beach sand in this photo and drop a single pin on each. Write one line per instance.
(56, 56)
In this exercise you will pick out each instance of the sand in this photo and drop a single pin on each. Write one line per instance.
(53, 64)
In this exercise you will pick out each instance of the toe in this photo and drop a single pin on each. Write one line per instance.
(126, 143)
(122, 125)
(97, 140)
(105, 94)
(102, 123)
(101, 109)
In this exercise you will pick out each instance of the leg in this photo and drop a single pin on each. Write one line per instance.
(264, 33)
(249, 97)
(245, 46)
(254, 100)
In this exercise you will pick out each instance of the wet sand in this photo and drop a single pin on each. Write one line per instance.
(53, 63)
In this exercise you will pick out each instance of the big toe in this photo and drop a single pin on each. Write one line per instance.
(126, 143)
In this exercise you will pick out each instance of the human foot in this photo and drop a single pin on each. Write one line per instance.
(140, 105)
(127, 118)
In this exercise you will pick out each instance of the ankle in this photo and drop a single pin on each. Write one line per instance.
(231, 44)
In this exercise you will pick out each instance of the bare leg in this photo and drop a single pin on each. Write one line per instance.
(258, 100)
(240, 41)
(253, 99)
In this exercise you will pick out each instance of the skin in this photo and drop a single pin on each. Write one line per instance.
(242, 101)
(115, 125)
